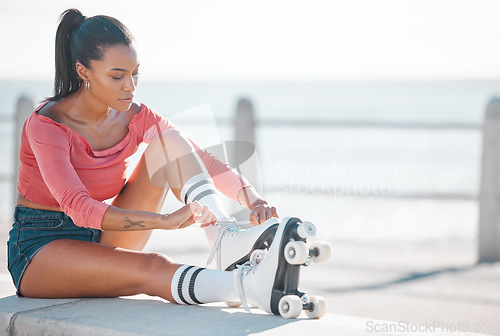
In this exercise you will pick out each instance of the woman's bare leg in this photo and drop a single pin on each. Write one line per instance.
(72, 268)
(140, 194)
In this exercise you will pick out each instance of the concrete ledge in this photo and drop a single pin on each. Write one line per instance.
(141, 315)
(144, 315)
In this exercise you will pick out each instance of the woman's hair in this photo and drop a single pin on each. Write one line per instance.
(82, 39)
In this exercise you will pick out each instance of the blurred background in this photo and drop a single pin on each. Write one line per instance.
(368, 122)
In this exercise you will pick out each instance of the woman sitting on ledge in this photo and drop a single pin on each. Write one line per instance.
(65, 242)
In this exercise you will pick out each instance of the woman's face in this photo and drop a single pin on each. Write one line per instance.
(113, 79)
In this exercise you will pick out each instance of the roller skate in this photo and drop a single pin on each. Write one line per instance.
(270, 281)
(233, 242)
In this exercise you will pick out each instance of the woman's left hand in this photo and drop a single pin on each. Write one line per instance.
(261, 211)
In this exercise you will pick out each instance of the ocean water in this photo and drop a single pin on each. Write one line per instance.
(374, 161)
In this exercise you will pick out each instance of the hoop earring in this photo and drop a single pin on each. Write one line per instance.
(87, 84)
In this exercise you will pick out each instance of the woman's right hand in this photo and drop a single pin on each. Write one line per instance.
(189, 214)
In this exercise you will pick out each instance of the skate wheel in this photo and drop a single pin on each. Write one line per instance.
(318, 307)
(234, 304)
(306, 229)
(323, 251)
(296, 252)
(290, 306)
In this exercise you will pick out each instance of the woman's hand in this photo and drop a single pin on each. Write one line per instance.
(261, 211)
(189, 214)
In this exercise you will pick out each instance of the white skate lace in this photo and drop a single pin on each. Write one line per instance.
(224, 225)
(242, 271)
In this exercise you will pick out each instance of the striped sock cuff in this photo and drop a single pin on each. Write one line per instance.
(183, 285)
(196, 185)
(201, 188)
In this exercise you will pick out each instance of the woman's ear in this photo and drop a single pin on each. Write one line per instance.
(82, 71)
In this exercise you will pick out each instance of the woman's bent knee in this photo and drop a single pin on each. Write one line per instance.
(171, 142)
(157, 260)
(156, 263)
(157, 273)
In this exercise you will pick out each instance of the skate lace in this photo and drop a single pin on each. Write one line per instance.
(229, 225)
(243, 270)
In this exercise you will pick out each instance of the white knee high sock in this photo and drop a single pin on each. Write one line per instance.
(196, 285)
(201, 188)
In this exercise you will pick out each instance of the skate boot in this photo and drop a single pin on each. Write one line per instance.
(271, 284)
(233, 245)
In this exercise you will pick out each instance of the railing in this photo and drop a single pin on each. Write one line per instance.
(245, 124)
(489, 223)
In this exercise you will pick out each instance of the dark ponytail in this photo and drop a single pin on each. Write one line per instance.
(82, 39)
(66, 80)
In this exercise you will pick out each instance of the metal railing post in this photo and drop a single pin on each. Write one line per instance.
(489, 198)
(24, 108)
(243, 154)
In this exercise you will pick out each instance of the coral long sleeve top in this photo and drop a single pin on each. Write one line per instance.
(58, 167)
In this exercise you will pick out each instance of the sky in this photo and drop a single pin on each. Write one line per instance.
(273, 39)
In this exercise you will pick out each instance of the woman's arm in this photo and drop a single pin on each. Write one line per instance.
(51, 148)
(116, 219)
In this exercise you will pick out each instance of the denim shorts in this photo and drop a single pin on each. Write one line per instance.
(33, 229)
